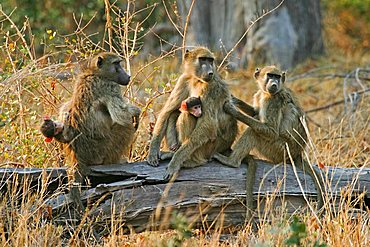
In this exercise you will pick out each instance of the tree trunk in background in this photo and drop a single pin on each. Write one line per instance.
(285, 37)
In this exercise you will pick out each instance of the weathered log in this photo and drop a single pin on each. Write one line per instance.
(136, 193)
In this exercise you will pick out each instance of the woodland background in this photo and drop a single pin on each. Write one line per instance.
(323, 45)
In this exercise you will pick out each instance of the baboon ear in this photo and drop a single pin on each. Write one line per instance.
(257, 72)
(99, 63)
(187, 52)
(283, 76)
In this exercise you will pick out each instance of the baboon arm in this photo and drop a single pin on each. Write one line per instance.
(179, 93)
(63, 138)
(173, 103)
(118, 111)
(198, 137)
(247, 109)
(171, 132)
(253, 123)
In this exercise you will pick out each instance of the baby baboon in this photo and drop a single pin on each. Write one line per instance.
(215, 131)
(51, 129)
(98, 121)
(278, 130)
(191, 108)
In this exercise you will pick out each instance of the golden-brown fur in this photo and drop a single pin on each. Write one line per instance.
(98, 123)
(215, 131)
(99, 119)
(278, 127)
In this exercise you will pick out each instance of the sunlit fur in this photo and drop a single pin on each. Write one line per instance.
(98, 121)
(277, 130)
(214, 132)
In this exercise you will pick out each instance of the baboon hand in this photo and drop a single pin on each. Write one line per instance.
(153, 157)
(135, 122)
(230, 108)
(174, 147)
(171, 171)
(137, 112)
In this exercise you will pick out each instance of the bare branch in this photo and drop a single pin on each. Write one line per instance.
(186, 28)
(245, 33)
(336, 103)
(169, 17)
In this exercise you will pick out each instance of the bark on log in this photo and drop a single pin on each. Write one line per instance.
(135, 193)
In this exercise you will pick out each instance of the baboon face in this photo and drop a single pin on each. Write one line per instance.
(193, 105)
(202, 60)
(205, 68)
(270, 79)
(108, 66)
(48, 128)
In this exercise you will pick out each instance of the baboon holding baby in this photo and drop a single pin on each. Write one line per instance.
(214, 131)
(98, 123)
(277, 133)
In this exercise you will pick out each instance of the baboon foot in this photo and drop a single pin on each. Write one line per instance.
(170, 172)
(153, 158)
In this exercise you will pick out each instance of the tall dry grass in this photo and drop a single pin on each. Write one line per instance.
(32, 86)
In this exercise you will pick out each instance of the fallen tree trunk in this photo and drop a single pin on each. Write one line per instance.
(137, 195)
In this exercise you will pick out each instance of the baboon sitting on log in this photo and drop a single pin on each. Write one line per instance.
(98, 123)
(214, 132)
(277, 135)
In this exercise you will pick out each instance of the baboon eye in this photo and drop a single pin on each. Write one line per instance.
(202, 59)
(273, 76)
(100, 62)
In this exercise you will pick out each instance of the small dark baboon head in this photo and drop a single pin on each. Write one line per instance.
(270, 79)
(200, 62)
(48, 127)
(193, 105)
(107, 65)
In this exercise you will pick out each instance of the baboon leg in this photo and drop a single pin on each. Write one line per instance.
(306, 167)
(250, 179)
(79, 173)
(166, 155)
(241, 149)
(172, 139)
(75, 195)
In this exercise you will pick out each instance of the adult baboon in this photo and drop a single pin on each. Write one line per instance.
(215, 131)
(278, 131)
(98, 123)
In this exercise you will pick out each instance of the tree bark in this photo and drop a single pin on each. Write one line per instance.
(137, 195)
(285, 37)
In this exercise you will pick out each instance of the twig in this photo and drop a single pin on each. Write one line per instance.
(169, 17)
(335, 103)
(186, 28)
(20, 35)
(245, 33)
(108, 23)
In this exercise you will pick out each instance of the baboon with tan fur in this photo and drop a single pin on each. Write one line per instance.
(277, 131)
(214, 132)
(178, 132)
(98, 122)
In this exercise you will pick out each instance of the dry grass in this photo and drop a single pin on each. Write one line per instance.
(29, 89)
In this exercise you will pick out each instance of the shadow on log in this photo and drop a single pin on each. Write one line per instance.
(137, 195)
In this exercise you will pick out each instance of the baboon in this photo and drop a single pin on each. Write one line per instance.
(191, 108)
(99, 124)
(51, 129)
(277, 131)
(214, 132)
